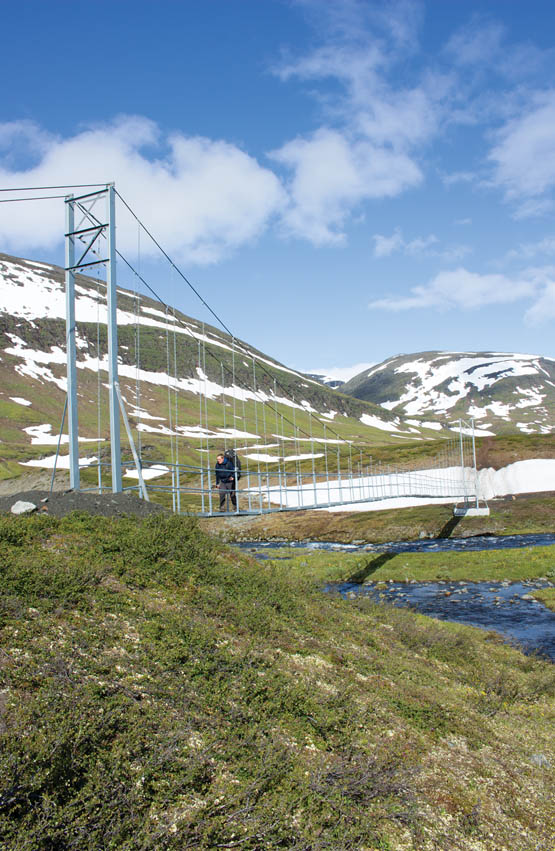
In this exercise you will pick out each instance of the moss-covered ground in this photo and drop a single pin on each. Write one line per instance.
(160, 691)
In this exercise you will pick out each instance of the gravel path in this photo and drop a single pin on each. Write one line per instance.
(60, 503)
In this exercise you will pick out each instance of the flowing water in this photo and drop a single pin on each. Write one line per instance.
(505, 607)
(473, 543)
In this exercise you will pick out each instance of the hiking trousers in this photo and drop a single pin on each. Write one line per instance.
(227, 489)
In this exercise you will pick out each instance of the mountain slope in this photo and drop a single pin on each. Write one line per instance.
(167, 363)
(503, 392)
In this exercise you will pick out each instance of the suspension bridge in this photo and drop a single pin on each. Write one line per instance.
(179, 390)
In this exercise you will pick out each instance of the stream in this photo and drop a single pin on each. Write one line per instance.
(507, 608)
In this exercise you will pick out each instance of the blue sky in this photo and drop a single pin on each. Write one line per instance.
(342, 181)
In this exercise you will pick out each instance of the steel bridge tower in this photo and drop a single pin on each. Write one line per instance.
(91, 223)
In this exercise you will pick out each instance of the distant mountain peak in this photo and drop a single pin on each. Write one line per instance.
(502, 391)
(328, 380)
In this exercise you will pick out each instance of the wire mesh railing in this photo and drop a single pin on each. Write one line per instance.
(193, 489)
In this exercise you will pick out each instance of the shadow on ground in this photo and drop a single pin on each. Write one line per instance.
(448, 528)
(374, 564)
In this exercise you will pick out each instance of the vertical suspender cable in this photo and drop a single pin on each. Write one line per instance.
(351, 473)
(281, 451)
(199, 370)
(233, 381)
(313, 459)
(258, 473)
(284, 458)
(246, 429)
(326, 464)
(296, 454)
(267, 466)
(223, 405)
(138, 411)
(98, 387)
(205, 394)
(58, 447)
(176, 417)
(339, 487)
(170, 417)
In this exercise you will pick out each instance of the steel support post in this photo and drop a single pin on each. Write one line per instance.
(115, 441)
(462, 461)
(474, 459)
(72, 420)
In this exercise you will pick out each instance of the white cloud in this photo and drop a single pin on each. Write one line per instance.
(493, 78)
(201, 197)
(398, 21)
(331, 174)
(420, 246)
(528, 250)
(533, 208)
(367, 146)
(459, 288)
(544, 309)
(524, 155)
(20, 139)
(482, 45)
(458, 177)
(477, 43)
(385, 246)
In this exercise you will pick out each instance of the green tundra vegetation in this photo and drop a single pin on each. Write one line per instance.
(493, 566)
(546, 596)
(525, 514)
(163, 691)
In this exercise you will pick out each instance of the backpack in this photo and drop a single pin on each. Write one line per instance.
(232, 456)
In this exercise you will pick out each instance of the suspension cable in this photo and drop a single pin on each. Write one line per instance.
(179, 272)
(187, 281)
(35, 198)
(162, 302)
(58, 186)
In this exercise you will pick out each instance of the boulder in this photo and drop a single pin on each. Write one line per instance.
(22, 507)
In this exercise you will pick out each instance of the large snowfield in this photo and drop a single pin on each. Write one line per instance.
(436, 487)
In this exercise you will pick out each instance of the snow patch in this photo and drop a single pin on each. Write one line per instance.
(62, 463)
(153, 472)
(375, 422)
(41, 436)
(275, 459)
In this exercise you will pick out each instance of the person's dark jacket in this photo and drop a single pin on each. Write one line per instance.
(225, 472)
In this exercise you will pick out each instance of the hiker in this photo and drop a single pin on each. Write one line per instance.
(225, 481)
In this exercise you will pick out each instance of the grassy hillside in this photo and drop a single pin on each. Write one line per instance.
(162, 692)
